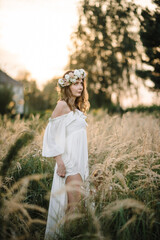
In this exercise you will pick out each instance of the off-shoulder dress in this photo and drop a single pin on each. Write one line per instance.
(65, 135)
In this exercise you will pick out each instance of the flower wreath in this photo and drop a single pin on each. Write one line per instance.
(71, 77)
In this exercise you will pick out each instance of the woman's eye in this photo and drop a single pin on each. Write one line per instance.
(77, 83)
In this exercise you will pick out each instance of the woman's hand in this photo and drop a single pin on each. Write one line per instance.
(61, 170)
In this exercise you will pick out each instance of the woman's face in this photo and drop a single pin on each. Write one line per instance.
(77, 88)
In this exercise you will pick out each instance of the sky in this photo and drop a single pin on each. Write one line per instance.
(35, 36)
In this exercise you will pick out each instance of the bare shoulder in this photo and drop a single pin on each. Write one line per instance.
(60, 109)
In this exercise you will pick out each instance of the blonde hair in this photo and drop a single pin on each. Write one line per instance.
(81, 102)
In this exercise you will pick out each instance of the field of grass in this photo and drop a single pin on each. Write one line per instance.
(124, 165)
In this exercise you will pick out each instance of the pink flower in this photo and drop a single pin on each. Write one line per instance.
(71, 74)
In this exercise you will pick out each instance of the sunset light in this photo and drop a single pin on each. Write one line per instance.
(37, 33)
(35, 36)
(79, 119)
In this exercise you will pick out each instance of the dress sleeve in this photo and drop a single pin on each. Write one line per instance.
(54, 137)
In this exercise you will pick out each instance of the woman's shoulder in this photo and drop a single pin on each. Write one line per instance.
(61, 108)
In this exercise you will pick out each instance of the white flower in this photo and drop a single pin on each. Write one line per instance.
(71, 74)
(67, 77)
(72, 80)
(71, 77)
(77, 73)
(82, 72)
(76, 77)
(61, 81)
(110, 187)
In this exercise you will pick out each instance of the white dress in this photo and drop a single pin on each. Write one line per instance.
(65, 135)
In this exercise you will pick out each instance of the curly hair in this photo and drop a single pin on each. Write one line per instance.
(81, 102)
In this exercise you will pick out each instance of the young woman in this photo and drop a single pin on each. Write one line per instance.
(65, 139)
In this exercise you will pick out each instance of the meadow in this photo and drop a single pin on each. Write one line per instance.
(124, 165)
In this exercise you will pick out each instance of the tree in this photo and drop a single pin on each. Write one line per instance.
(33, 97)
(6, 102)
(150, 37)
(50, 94)
(104, 43)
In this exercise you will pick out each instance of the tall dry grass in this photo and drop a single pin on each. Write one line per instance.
(124, 160)
(124, 156)
(16, 216)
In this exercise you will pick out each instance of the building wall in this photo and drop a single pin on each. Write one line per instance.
(18, 97)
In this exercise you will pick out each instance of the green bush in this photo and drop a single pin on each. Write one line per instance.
(6, 95)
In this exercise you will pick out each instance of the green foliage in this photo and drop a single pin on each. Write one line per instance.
(36, 100)
(50, 94)
(126, 155)
(150, 37)
(33, 97)
(13, 151)
(36, 190)
(105, 44)
(6, 164)
(6, 95)
(154, 109)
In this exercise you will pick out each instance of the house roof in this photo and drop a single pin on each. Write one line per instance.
(4, 78)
